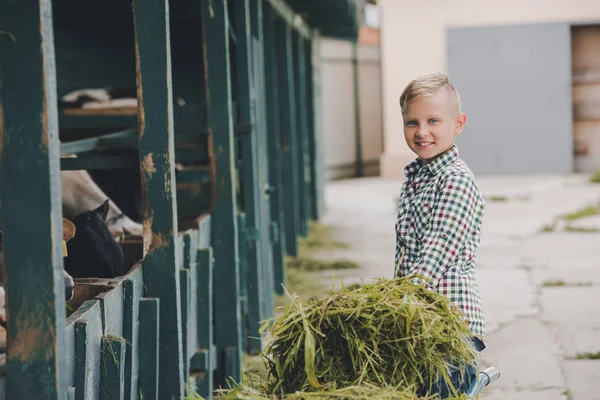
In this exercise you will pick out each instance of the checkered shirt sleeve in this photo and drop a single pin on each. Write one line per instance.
(452, 219)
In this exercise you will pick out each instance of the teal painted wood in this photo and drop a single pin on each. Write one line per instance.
(319, 181)
(112, 377)
(256, 25)
(88, 335)
(111, 303)
(243, 265)
(274, 151)
(251, 262)
(313, 190)
(133, 291)
(157, 163)
(233, 366)
(205, 321)
(70, 393)
(289, 145)
(29, 132)
(191, 240)
(125, 139)
(204, 234)
(184, 279)
(149, 340)
(358, 165)
(215, 22)
(302, 141)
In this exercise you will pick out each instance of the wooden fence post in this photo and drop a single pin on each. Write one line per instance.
(162, 255)
(31, 202)
(228, 339)
(289, 136)
(274, 150)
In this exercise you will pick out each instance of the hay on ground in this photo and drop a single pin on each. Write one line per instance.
(384, 334)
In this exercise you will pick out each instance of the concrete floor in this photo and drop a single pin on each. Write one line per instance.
(533, 329)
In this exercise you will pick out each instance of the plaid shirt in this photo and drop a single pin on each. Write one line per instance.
(438, 230)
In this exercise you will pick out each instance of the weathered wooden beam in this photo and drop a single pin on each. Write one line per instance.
(88, 334)
(133, 289)
(289, 136)
(204, 283)
(148, 351)
(243, 265)
(30, 187)
(215, 23)
(112, 372)
(251, 96)
(266, 228)
(162, 258)
(126, 139)
(274, 150)
(302, 141)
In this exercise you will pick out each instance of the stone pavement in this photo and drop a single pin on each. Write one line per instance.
(534, 327)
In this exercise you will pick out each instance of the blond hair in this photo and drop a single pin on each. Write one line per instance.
(428, 85)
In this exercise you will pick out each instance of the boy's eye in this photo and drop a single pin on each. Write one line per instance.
(411, 123)
(434, 121)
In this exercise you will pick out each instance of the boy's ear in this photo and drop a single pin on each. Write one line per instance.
(460, 122)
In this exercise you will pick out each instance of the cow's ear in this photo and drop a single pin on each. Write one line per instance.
(102, 211)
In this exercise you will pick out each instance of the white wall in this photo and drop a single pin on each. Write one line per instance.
(413, 43)
(338, 115)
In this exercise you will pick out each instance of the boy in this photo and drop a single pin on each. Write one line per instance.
(441, 208)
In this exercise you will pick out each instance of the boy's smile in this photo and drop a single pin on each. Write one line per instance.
(430, 125)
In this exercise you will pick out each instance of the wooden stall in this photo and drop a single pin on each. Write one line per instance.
(198, 118)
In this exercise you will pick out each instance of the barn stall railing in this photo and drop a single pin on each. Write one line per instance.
(172, 320)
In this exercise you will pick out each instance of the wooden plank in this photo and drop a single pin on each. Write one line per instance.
(191, 263)
(125, 139)
(98, 162)
(302, 140)
(205, 320)
(157, 164)
(184, 279)
(88, 334)
(148, 351)
(215, 22)
(248, 311)
(112, 378)
(273, 150)
(133, 290)
(319, 176)
(194, 175)
(313, 190)
(256, 22)
(204, 231)
(254, 255)
(29, 137)
(289, 142)
(111, 303)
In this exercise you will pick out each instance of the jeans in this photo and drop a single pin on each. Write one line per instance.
(461, 377)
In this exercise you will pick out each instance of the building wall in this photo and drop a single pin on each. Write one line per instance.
(338, 110)
(413, 43)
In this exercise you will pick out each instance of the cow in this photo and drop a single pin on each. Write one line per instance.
(94, 252)
(80, 194)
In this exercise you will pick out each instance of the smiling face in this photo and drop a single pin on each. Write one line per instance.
(430, 125)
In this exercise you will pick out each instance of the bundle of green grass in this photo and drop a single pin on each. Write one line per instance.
(374, 341)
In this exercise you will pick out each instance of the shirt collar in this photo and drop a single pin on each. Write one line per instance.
(435, 166)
